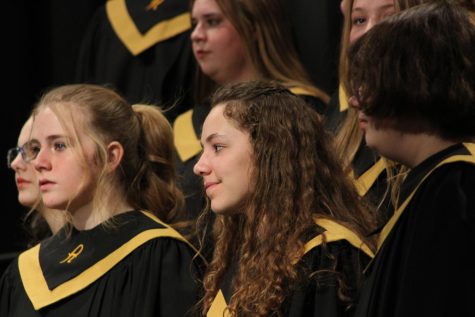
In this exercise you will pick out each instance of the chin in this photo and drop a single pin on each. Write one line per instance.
(27, 200)
(224, 210)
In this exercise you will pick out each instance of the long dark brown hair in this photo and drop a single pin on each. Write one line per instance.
(265, 32)
(297, 178)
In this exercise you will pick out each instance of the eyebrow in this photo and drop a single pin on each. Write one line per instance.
(207, 15)
(50, 138)
(384, 7)
(212, 136)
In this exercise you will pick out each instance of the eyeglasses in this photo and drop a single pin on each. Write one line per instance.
(26, 151)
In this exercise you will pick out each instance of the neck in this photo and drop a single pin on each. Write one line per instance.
(88, 216)
(247, 73)
(55, 218)
(422, 146)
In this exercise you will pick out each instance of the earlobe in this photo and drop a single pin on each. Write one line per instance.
(115, 152)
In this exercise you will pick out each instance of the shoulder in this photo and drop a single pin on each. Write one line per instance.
(336, 233)
(451, 187)
(337, 248)
(10, 275)
(311, 98)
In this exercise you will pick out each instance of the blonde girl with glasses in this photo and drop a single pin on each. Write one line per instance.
(109, 166)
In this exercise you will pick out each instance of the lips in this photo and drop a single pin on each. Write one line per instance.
(200, 53)
(363, 122)
(21, 182)
(209, 186)
(45, 184)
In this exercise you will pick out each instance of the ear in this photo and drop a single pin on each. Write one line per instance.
(115, 152)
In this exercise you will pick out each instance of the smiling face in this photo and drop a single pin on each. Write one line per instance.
(65, 180)
(367, 13)
(217, 46)
(226, 163)
(25, 175)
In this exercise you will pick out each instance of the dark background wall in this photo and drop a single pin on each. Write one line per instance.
(40, 47)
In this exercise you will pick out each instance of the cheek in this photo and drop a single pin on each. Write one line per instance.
(355, 34)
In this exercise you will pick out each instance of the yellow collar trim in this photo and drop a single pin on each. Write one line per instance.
(342, 98)
(218, 307)
(300, 90)
(35, 283)
(335, 232)
(368, 178)
(186, 141)
(129, 34)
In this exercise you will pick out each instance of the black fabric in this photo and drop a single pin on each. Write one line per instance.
(145, 19)
(334, 118)
(425, 266)
(161, 75)
(190, 184)
(315, 103)
(159, 278)
(317, 294)
(55, 250)
(316, 27)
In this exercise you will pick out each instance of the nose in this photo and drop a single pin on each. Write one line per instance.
(372, 21)
(18, 163)
(198, 33)
(42, 160)
(354, 103)
(201, 167)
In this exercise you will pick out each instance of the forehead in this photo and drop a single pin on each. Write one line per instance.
(372, 4)
(215, 117)
(25, 132)
(217, 123)
(58, 119)
(201, 7)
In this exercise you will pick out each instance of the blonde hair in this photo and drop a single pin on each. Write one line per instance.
(146, 174)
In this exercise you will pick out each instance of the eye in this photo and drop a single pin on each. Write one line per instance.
(193, 24)
(217, 148)
(59, 146)
(30, 151)
(213, 21)
(358, 20)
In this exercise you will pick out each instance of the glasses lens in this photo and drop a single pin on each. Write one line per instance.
(29, 152)
(11, 155)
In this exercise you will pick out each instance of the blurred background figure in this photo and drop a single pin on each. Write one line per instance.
(142, 48)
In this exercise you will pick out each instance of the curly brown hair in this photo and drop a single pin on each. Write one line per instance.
(297, 178)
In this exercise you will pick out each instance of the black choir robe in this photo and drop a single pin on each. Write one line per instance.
(138, 267)
(424, 265)
(344, 253)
